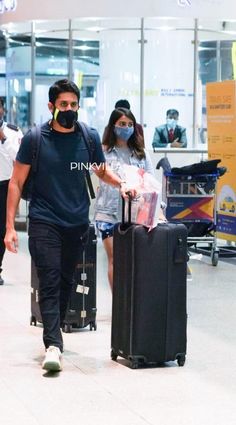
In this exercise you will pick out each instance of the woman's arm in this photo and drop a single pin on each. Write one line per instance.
(148, 163)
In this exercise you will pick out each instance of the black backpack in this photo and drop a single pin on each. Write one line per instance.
(88, 134)
(202, 167)
(35, 146)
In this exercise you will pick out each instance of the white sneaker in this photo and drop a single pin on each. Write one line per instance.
(52, 360)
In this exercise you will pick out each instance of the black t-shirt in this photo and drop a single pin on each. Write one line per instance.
(60, 194)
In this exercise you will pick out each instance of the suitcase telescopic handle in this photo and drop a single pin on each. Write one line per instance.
(129, 209)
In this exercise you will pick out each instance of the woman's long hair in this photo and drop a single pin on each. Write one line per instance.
(135, 142)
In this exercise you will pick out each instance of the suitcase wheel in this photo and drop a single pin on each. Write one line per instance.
(134, 364)
(67, 328)
(93, 325)
(113, 355)
(181, 359)
(33, 321)
(137, 361)
(214, 258)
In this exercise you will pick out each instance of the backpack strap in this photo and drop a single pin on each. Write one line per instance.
(35, 145)
(86, 132)
(35, 139)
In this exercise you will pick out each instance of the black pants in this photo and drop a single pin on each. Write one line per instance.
(55, 251)
(3, 205)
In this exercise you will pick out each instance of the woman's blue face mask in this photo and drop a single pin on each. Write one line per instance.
(123, 133)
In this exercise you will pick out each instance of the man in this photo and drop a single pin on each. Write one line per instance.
(10, 137)
(59, 208)
(170, 134)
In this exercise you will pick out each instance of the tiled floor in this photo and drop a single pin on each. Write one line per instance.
(92, 389)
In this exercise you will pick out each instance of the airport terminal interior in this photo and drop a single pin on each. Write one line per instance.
(114, 57)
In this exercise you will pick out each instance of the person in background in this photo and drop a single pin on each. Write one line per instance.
(123, 144)
(170, 134)
(59, 208)
(10, 137)
(124, 103)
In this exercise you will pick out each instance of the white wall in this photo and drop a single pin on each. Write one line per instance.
(119, 72)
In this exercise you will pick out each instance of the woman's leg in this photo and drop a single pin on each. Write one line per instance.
(108, 245)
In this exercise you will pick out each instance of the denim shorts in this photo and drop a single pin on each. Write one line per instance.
(105, 228)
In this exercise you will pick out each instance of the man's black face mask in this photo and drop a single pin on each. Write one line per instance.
(66, 119)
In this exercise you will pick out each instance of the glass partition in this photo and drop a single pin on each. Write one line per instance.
(86, 66)
(216, 51)
(109, 66)
(51, 62)
(150, 62)
(168, 73)
(18, 76)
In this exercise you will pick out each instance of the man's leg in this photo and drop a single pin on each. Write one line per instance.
(45, 243)
(3, 202)
(108, 245)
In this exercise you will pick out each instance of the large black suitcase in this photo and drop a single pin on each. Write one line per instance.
(81, 310)
(149, 315)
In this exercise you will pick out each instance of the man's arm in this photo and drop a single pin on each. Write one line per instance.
(180, 142)
(157, 142)
(183, 139)
(20, 173)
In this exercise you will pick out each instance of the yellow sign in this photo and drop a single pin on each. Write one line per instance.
(79, 78)
(221, 129)
(234, 59)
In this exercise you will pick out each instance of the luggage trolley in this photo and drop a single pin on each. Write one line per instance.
(191, 200)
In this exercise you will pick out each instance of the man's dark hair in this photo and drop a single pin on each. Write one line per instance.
(122, 103)
(172, 112)
(62, 86)
(1, 102)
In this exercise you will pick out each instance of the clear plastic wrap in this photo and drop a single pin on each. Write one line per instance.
(146, 206)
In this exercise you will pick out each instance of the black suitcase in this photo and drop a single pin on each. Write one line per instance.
(81, 310)
(149, 316)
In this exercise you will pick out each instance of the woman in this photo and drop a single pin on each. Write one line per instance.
(122, 144)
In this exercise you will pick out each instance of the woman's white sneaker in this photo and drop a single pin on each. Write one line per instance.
(52, 360)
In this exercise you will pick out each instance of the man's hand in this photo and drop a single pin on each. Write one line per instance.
(2, 135)
(108, 176)
(11, 241)
(176, 143)
(127, 192)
